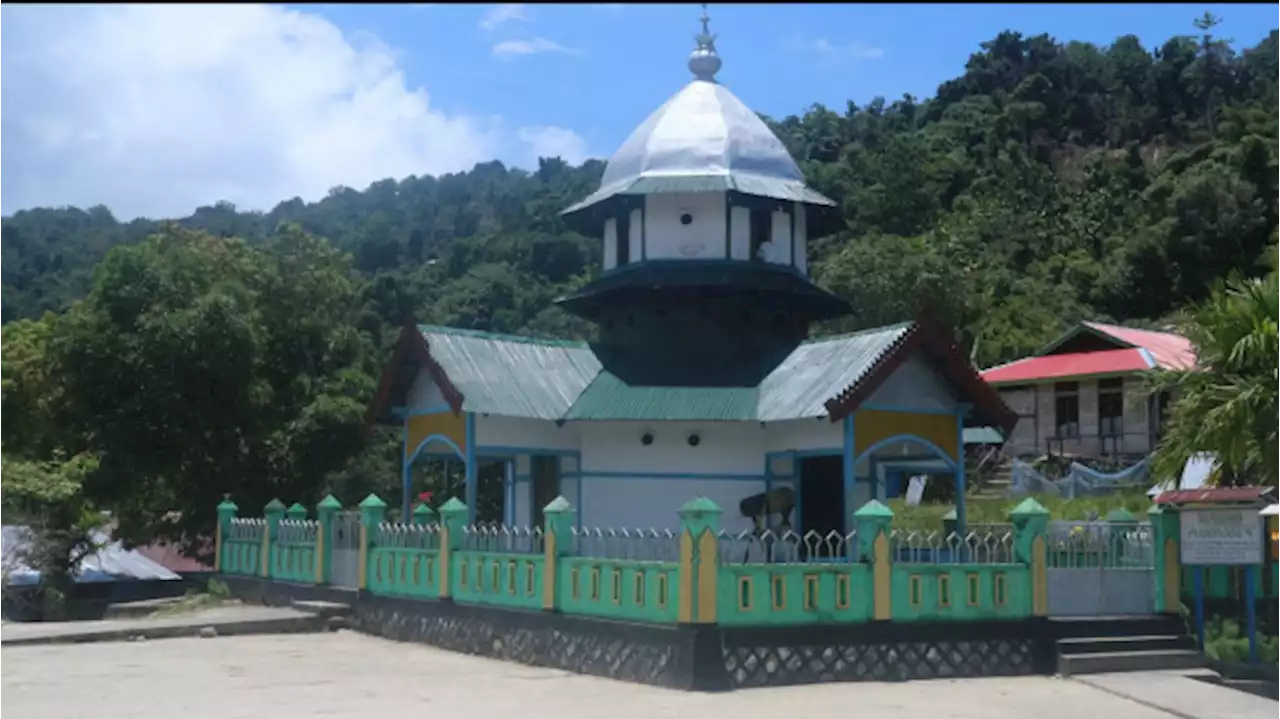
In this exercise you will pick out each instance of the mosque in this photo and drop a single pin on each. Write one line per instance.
(702, 379)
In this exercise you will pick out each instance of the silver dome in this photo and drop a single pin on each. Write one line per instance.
(704, 139)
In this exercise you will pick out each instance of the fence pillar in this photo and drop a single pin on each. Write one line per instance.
(373, 511)
(1165, 536)
(453, 517)
(296, 512)
(872, 523)
(273, 513)
(699, 561)
(422, 514)
(1030, 529)
(226, 512)
(325, 510)
(557, 541)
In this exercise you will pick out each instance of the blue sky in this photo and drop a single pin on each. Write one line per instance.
(779, 59)
(154, 110)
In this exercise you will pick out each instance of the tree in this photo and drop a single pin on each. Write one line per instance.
(1227, 405)
(198, 366)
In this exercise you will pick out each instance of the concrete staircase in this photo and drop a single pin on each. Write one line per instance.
(1123, 644)
(995, 480)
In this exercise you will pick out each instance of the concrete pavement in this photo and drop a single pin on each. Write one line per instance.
(345, 674)
(224, 620)
(1180, 694)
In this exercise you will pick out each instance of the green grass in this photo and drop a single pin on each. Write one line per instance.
(1224, 641)
(996, 511)
(215, 593)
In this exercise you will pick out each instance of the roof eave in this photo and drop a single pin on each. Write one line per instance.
(410, 346)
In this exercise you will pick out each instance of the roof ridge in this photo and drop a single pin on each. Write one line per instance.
(859, 333)
(502, 337)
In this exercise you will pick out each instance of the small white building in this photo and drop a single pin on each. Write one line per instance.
(702, 379)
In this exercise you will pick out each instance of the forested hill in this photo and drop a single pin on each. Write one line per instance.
(1049, 182)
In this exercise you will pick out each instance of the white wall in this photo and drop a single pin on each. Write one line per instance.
(916, 385)
(494, 431)
(608, 448)
(704, 238)
(804, 434)
(424, 393)
(801, 259)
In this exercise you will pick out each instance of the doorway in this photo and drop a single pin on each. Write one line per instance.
(822, 495)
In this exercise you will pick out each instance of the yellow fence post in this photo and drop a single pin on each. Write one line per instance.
(1030, 547)
(699, 565)
(872, 523)
(557, 536)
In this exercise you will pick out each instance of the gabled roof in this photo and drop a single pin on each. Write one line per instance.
(1132, 351)
(556, 380)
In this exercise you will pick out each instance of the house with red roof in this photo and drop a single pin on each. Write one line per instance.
(1083, 394)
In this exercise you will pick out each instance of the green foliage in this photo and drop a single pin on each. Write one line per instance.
(1230, 407)
(197, 366)
(1224, 641)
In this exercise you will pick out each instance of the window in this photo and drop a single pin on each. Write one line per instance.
(1163, 400)
(624, 239)
(1066, 409)
(1111, 407)
(761, 226)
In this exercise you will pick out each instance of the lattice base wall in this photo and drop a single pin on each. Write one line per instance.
(703, 659)
(757, 666)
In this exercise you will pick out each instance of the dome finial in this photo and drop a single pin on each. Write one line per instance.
(704, 63)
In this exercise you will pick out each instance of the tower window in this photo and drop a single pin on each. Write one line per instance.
(686, 219)
(624, 239)
(761, 225)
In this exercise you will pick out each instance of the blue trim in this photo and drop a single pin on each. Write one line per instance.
(781, 269)
(906, 410)
(873, 465)
(850, 476)
(405, 412)
(820, 452)
(497, 450)
(1197, 592)
(471, 476)
(940, 453)
(1251, 613)
(436, 438)
(672, 475)
(522, 478)
(508, 493)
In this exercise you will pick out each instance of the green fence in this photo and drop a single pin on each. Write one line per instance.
(696, 575)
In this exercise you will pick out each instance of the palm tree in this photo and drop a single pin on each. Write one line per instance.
(1227, 405)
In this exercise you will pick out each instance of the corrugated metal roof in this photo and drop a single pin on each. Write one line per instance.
(111, 561)
(819, 369)
(610, 398)
(1074, 364)
(1215, 495)
(1171, 351)
(982, 435)
(512, 376)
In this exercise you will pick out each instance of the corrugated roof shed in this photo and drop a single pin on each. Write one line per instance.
(818, 369)
(512, 376)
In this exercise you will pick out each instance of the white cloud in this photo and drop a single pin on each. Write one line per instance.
(154, 110)
(551, 141)
(835, 51)
(531, 46)
(500, 15)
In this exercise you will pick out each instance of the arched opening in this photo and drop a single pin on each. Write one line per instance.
(906, 467)
(436, 470)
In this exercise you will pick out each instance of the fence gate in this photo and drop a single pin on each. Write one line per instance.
(1100, 569)
(345, 551)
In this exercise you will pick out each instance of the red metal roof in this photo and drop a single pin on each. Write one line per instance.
(1214, 495)
(1075, 364)
(1169, 350)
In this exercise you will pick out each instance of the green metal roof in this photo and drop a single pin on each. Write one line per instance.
(610, 398)
(510, 375)
(819, 369)
(549, 379)
(982, 435)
